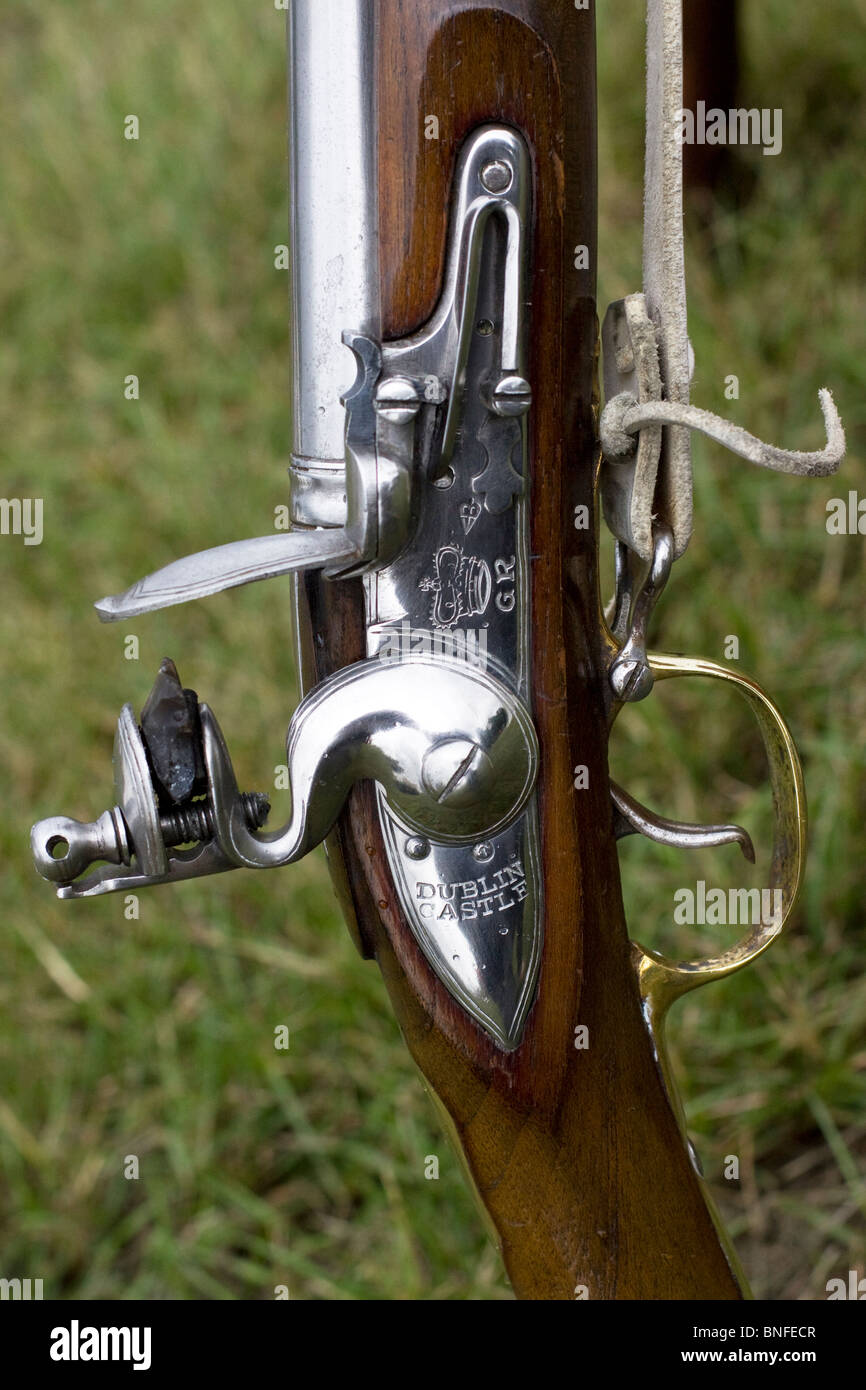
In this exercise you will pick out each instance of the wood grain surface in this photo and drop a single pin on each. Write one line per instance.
(711, 74)
(575, 1155)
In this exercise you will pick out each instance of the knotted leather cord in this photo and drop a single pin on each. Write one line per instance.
(623, 417)
(658, 493)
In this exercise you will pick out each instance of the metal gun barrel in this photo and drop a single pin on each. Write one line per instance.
(334, 235)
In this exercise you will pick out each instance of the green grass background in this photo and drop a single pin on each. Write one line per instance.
(155, 1037)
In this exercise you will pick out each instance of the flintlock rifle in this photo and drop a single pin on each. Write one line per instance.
(461, 675)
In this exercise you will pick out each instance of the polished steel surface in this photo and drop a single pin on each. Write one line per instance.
(631, 675)
(378, 469)
(335, 278)
(227, 567)
(130, 831)
(380, 460)
(378, 475)
(431, 437)
(476, 912)
(63, 848)
(135, 794)
(631, 818)
(441, 348)
(453, 750)
(463, 587)
(334, 211)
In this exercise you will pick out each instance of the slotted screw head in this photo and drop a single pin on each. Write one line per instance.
(511, 396)
(457, 772)
(397, 400)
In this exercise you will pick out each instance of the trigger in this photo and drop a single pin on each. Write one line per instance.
(631, 818)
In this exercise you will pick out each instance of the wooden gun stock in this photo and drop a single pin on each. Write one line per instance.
(575, 1153)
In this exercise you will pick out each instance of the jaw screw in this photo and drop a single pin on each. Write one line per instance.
(64, 848)
(193, 823)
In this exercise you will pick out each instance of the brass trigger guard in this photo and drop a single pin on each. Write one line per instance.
(661, 980)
